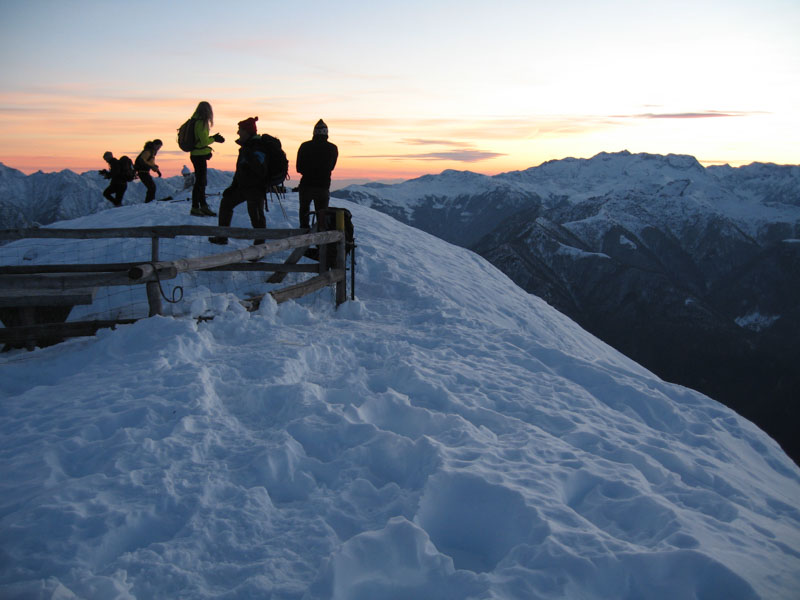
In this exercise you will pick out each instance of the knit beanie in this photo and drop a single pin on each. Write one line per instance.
(320, 128)
(249, 124)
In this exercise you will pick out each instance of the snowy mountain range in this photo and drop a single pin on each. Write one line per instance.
(43, 198)
(693, 272)
(446, 435)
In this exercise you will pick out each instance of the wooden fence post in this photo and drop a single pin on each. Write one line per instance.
(341, 259)
(323, 254)
(154, 287)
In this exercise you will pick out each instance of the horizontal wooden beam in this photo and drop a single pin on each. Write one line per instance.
(145, 270)
(269, 267)
(306, 287)
(125, 267)
(21, 335)
(22, 297)
(66, 268)
(68, 281)
(154, 231)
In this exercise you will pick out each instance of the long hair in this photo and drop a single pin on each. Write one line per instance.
(153, 146)
(206, 113)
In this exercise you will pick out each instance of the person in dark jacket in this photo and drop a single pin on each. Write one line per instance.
(146, 162)
(316, 160)
(248, 185)
(116, 188)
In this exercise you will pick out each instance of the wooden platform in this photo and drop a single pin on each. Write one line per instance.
(14, 297)
(33, 308)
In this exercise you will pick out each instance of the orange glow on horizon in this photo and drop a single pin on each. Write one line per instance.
(172, 162)
(371, 148)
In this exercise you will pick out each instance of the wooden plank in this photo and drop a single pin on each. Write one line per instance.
(67, 281)
(306, 287)
(155, 231)
(293, 259)
(50, 331)
(125, 267)
(145, 270)
(46, 297)
(268, 267)
(66, 268)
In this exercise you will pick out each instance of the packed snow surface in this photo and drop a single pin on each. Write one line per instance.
(445, 435)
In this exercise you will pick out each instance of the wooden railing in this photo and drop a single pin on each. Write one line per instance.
(35, 300)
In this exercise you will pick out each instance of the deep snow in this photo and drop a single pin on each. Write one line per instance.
(446, 435)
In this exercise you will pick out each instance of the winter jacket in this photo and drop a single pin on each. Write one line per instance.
(316, 160)
(203, 141)
(250, 166)
(115, 171)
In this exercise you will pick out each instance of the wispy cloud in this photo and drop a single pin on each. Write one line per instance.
(454, 150)
(461, 152)
(424, 142)
(703, 114)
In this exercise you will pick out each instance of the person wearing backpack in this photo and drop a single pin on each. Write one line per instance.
(203, 118)
(249, 181)
(316, 159)
(118, 184)
(146, 162)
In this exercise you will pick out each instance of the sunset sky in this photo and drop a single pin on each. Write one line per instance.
(407, 88)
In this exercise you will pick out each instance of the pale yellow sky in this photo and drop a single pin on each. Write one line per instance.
(406, 88)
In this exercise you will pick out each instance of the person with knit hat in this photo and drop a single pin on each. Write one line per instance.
(248, 185)
(316, 160)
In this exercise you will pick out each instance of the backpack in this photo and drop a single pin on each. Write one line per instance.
(186, 139)
(327, 222)
(276, 163)
(126, 170)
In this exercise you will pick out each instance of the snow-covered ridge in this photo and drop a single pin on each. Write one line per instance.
(43, 198)
(677, 186)
(446, 435)
(752, 194)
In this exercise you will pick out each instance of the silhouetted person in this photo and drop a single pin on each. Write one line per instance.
(204, 121)
(249, 182)
(146, 162)
(316, 160)
(116, 188)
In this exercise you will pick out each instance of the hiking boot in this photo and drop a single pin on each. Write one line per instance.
(197, 212)
(221, 241)
(207, 211)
